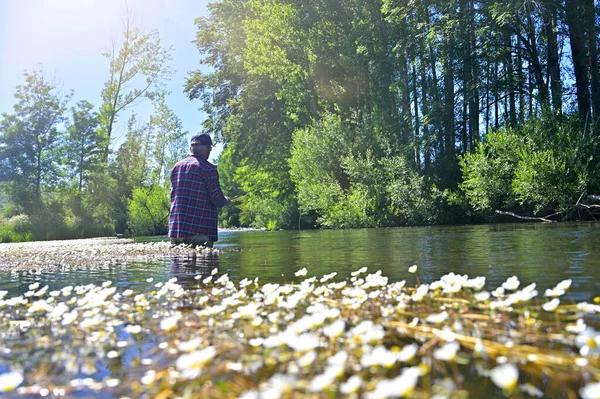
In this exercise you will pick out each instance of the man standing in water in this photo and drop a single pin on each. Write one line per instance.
(196, 197)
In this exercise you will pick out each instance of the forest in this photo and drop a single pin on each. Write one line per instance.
(333, 114)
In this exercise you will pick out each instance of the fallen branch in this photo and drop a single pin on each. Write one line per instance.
(536, 218)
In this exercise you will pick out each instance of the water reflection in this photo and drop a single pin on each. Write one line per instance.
(189, 269)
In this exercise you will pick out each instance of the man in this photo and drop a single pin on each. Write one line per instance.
(196, 197)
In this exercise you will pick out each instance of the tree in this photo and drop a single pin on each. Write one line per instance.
(83, 144)
(166, 140)
(137, 70)
(30, 141)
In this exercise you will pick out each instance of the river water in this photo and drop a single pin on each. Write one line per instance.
(542, 253)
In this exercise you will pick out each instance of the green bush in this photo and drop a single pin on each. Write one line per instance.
(15, 229)
(544, 166)
(148, 211)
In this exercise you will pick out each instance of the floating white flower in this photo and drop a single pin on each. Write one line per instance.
(482, 296)
(307, 359)
(149, 377)
(301, 272)
(588, 342)
(412, 269)
(531, 390)
(191, 364)
(10, 381)
(552, 305)
(352, 385)
(505, 376)
(590, 391)
(447, 352)
(401, 386)
(512, 283)
(328, 277)
(170, 323)
(40, 306)
(335, 329)
(564, 285)
(554, 292)
(437, 318)
(422, 290)
(408, 353)
(191, 345)
(359, 271)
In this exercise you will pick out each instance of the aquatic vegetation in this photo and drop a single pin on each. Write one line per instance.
(312, 337)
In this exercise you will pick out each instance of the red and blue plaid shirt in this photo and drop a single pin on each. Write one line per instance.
(195, 197)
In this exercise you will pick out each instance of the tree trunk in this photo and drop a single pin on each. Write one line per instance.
(578, 52)
(449, 138)
(417, 122)
(553, 59)
(590, 23)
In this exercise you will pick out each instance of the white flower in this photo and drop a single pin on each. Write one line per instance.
(359, 271)
(577, 328)
(512, 283)
(412, 269)
(328, 277)
(401, 386)
(408, 353)
(505, 376)
(447, 352)
(40, 306)
(301, 272)
(352, 385)
(148, 377)
(590, 391)
(552, 305)
(531, 390)
(437, 318)
(133, 329)
(335, 329)
(191, 345)
(307, 359)
(191, 364)
(588, 342)
(170, 323)
(482, 296)
(9, 381)
(554, 292)
(564, 285)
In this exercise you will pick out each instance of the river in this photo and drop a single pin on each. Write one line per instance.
(536, 253)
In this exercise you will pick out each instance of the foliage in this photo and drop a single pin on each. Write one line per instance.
(30, 141)
(230, 215)
(148, 211)
(338, 175)
(15, 229)
(268, 200)
(138, 68)
(541, 166)
(83, 144)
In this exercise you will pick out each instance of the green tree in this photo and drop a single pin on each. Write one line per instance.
(30, 141)
(138, 68)
(83, 144)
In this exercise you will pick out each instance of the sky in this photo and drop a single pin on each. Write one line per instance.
(67, 38)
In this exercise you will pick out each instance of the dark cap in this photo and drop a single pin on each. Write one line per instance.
(201, 139)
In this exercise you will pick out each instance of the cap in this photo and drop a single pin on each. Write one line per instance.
(201, 139)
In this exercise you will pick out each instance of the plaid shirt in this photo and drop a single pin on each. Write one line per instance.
(195, 196)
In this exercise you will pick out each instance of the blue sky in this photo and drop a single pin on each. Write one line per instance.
(67, 38)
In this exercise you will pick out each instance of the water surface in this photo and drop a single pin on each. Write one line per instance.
(540, 253)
